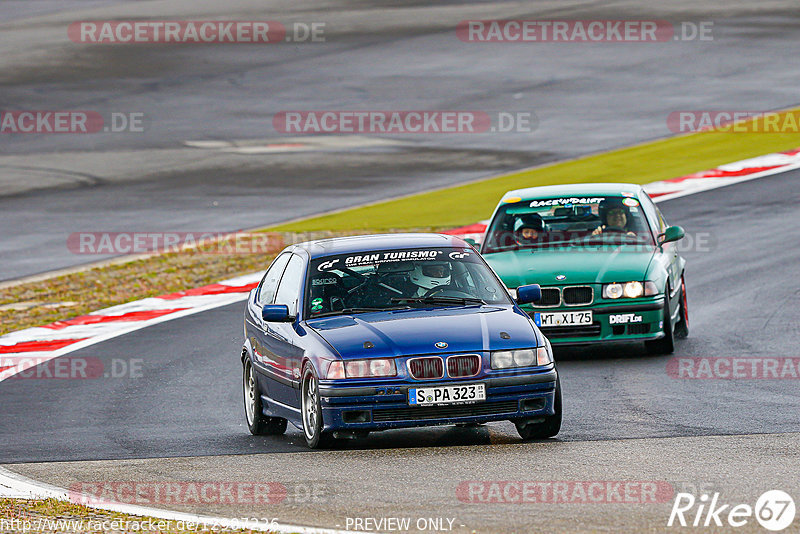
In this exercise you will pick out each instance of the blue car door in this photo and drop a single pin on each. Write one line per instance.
(282, 338)
(255, 325)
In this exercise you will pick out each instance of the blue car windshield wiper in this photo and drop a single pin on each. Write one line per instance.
(441, 300)
(349, 311)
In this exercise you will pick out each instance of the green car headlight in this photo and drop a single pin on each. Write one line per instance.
(612, 291)
(631, 290)
(507, 359)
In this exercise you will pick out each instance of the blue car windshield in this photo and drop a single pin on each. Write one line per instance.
(402, 278)
(568, 222)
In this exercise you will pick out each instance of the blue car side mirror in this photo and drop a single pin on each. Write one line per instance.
(529, 293)
(276, 313)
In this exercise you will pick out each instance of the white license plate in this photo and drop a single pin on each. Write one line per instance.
(468, 393)
(573, 318)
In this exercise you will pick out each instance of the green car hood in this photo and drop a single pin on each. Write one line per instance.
(579, 265)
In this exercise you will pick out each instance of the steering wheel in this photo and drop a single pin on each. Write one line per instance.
(609, 230)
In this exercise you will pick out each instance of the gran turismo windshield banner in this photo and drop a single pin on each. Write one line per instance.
(395, 257)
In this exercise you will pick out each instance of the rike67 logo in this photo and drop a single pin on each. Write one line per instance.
(774, 510)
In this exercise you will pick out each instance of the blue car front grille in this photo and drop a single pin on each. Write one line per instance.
(429, 368)
(463, 366)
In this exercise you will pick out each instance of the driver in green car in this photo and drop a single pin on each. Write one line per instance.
(614, 215)
(528, 229)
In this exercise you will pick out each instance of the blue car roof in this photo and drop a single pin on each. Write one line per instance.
(366, 243)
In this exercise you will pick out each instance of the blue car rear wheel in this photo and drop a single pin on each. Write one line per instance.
(258, 423)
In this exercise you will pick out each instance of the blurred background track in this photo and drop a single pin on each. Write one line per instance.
(585, 97)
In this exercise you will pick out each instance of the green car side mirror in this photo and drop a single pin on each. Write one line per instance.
(673, 233)
(470, 241)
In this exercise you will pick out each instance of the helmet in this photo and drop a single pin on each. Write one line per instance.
(431, 274)
(612, 203)
(533, 221)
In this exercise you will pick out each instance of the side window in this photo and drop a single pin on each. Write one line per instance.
(270, 283)
(661, 221)
(652, 213)
(290, 286)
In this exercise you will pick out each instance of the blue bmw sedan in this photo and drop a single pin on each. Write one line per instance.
(356, 334)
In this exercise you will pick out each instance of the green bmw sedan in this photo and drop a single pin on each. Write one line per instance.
(604, 256)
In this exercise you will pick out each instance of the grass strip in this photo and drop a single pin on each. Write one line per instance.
(80, 293)
(640, 164)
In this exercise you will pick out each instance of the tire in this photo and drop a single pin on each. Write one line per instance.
(258, 423)
(311, 411)
(547, 428)
(666, 344)
(682, 326)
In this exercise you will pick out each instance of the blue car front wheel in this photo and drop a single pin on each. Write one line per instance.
(543, 427)
(311, 409)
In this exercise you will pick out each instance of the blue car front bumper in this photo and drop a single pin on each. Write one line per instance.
(386, 406)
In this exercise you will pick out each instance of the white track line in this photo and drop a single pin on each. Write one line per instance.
(715, 183)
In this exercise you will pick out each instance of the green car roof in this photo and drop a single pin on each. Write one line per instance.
(549, 191)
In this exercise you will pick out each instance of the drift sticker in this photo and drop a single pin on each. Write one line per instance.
(630, 202)
(624, 318)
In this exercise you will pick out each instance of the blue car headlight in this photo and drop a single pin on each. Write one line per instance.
(375, 368)
(507, 359)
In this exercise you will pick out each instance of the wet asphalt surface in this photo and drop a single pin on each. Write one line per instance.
(187, 401)
(583, 97)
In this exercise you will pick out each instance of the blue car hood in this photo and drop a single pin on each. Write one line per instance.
(408, 332)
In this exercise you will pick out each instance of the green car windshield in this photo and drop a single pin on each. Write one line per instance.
(568, 222)
(399, 279)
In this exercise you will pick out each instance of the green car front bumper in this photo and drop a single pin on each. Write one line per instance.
(619, 321)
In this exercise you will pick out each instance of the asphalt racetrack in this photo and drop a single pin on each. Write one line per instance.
(625, 417)
(582, 97)
(179, 416)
